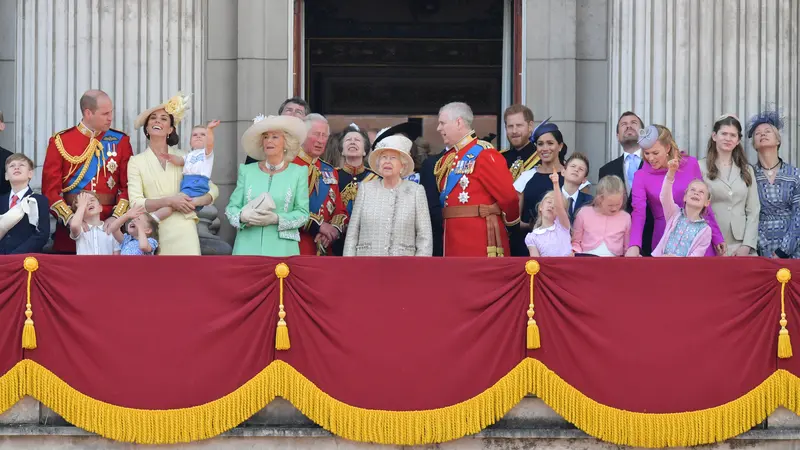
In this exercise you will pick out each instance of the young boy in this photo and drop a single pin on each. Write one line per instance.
(575, 172)
(25, 220)
(197, 166)
(86, 228)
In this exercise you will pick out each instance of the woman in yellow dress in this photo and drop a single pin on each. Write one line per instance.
(155, 182)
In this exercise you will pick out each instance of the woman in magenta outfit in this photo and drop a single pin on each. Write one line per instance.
(659, 147)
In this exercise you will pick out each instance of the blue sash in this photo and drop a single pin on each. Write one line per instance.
(109, 138)
(317, 198)
(455, 174)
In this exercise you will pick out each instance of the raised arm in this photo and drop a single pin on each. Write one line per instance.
(561, 209)
(716, 234)
(36, 242)
(667, 199)
(210, 136)
(76, 224)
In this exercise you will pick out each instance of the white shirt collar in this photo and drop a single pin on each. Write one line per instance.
(573, 196)
(543, 230)
(638, 153)
(19, 194)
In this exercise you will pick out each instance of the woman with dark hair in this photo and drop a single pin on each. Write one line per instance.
(731, 182)
(535, 183)
(154, 182)
(778, 190)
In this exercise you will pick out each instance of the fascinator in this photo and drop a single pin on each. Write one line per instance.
(771, 117)
(648, 137)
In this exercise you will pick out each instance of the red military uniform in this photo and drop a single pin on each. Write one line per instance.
(479, 199)
(77, 161)
(324, 203)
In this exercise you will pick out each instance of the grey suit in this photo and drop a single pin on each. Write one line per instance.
(389, 222)
(736, 206)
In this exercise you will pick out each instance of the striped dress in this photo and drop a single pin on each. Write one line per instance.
(779, 223)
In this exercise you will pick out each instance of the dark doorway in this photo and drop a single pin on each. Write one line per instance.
(403, 57)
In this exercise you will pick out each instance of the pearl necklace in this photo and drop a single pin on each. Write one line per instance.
(274, 168)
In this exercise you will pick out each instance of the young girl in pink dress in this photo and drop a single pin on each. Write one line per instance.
(605, 228)
(550, 235)
(687, 232)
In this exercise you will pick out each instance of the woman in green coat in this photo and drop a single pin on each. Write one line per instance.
(270, 202)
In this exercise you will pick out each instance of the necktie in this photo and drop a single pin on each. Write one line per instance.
(570, 204)
(14, 201)
(633, 166)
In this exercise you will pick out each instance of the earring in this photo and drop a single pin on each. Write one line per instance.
(285, 151)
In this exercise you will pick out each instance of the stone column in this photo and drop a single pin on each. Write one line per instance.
(8, 70)
(249, 53)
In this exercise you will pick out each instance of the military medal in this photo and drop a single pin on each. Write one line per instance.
(330, 207)
(328, 178)
(112, 150)
(463, 197)
(111, 183)
(112, 165)
(463, 182)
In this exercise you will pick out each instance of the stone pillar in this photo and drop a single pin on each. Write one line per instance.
(249, 52)
(221, 100)
(8, 70)
(593, 126)
(551, 62)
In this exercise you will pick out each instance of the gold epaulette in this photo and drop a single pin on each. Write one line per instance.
(372, 176)
(62, 210)
(442, 168)
(121, 208)
(350, 191)
(504, 150)
(485, 144)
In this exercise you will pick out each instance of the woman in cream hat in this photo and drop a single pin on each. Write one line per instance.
(154, 180)
(270, 202)
(400, 203)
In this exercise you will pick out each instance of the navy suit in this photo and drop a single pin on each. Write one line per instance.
(428, 180)
(24, 237)
(5, 186)
(582, 200)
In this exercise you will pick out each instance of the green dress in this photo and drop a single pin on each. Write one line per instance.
(289, 190)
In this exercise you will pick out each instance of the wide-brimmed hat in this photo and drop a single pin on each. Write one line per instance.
(396, 142)
(252, 140)
(176, 107)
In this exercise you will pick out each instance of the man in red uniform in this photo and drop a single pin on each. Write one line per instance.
(328, 214)
(90, 157)
(476, 189)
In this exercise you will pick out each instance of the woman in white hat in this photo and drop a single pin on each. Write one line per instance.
(270, 202)
(399, 203)
(155, 182)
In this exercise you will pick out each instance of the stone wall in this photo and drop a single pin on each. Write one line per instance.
(529, 425)
(8, 70)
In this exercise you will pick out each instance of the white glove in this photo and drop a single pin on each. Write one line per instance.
(258, 219)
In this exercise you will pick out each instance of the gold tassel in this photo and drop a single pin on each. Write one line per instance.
(282, 332)
(28, 331)
(534, 341)
(784, 343)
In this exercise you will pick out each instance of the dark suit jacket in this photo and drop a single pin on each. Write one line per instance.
(617, 167)
(5, 186)
(584, 199)
(24, 237)
(428, 181)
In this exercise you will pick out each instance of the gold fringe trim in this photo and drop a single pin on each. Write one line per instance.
(401, 427)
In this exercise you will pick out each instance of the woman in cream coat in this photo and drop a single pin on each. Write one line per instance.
(390, 216)
(733, 187)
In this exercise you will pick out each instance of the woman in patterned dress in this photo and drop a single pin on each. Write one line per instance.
(270, 202)
(778, 190)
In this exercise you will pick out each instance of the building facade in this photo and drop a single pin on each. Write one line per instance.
(681, 63)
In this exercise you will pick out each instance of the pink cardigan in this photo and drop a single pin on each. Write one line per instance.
(672, 213)
(592, 228)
